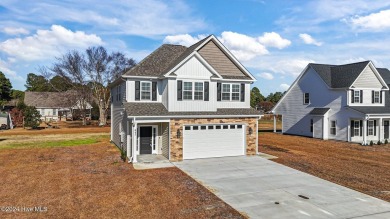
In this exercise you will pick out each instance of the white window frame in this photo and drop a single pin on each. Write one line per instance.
(377, 99)
(150, 90)
(333, 128)
(356, 127)
(230, 92)
(42, 112)
(370, 129)
(356, 96)
(304, 99)
(54, 112)
(193, 90)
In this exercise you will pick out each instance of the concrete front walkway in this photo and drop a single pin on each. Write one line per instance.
(261, 188)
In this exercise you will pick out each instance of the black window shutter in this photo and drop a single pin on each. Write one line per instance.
(352, 128)
(353, 96)
(137, 93)
(381, 96)
(361, 128)
(179, 90)
(242, 92)
(375, 127)
(154, 90)
(206, 91)
(219, 94)
(361, 96)
(372, 96)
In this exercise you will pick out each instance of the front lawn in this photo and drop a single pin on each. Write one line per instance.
(91, 181)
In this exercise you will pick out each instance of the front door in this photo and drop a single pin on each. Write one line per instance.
(145, 140)
(386, 128)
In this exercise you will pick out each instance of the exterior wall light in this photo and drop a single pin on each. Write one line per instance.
(178, 133)
(250, 131)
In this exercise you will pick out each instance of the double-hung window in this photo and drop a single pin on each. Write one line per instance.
(370, 127)
(356, 96)
(193, 90)
(187, 91)
(356, 128)
(306, 98)
(333, 127)
(231, 92)
(198, 92)
(54, 112)
(146, 90)
(376, 96)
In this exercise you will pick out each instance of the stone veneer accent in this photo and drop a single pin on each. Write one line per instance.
(176, 147)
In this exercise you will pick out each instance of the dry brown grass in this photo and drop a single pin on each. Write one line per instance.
(363, 168)
(92, 182)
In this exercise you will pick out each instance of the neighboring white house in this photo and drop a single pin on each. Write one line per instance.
(56, 105)
(185, 103)
(343, 102)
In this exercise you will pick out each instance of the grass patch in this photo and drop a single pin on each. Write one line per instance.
(54, 144)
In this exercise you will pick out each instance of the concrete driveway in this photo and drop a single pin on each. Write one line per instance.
(260, 188)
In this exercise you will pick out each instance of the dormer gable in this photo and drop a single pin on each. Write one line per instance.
(369, 78)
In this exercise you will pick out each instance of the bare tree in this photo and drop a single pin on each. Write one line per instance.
(71, 66)
(102, 69)
(90, 75)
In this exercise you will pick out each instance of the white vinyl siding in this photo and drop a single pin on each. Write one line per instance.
(367, 79)
(226, 140)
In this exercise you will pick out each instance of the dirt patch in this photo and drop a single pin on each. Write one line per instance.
(92, 182)
(21, 131)
(362, 168)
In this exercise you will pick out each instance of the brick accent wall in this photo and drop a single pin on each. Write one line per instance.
(176, 147)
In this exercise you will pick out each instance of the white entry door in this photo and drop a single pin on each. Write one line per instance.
(213, 140)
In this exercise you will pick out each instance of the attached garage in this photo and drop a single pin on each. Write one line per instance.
(213, 140)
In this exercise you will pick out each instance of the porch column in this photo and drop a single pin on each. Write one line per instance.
(134, 151)
(365, 131)
(274, 123)
(380, 129)
(128, 139)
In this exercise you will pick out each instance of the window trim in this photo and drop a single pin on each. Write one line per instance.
(333, 127)
(356, 96)
(304, 98)
(379, 96)
(141, 91)
(356, 127)
(193, 90)
(231, 92)
(370, 127)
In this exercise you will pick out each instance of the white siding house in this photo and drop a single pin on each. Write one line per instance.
(342, 102)
(179, 102)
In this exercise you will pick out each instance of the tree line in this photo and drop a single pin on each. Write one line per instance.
(258, 101)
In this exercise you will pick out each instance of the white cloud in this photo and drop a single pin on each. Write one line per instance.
(242, 46)
(183, 39)
(12, 75)
(266, 75)
(309, 39)
(273, 39)
(375, 21)
(284, 87)
(15, 30)
(46, 44)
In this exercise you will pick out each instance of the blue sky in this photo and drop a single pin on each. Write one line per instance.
(275, 40)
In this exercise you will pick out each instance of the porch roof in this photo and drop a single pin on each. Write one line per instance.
(158, 109)
(319, 111)
(372, 109)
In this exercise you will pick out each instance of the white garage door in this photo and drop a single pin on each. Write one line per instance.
(202, 141)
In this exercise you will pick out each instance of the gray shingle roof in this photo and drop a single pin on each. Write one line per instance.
(319, 111)
(158, 109)
(50, 99)
(339, 76)
(166, 57)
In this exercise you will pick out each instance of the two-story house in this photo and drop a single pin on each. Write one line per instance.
(343, 102)
(185, 103)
